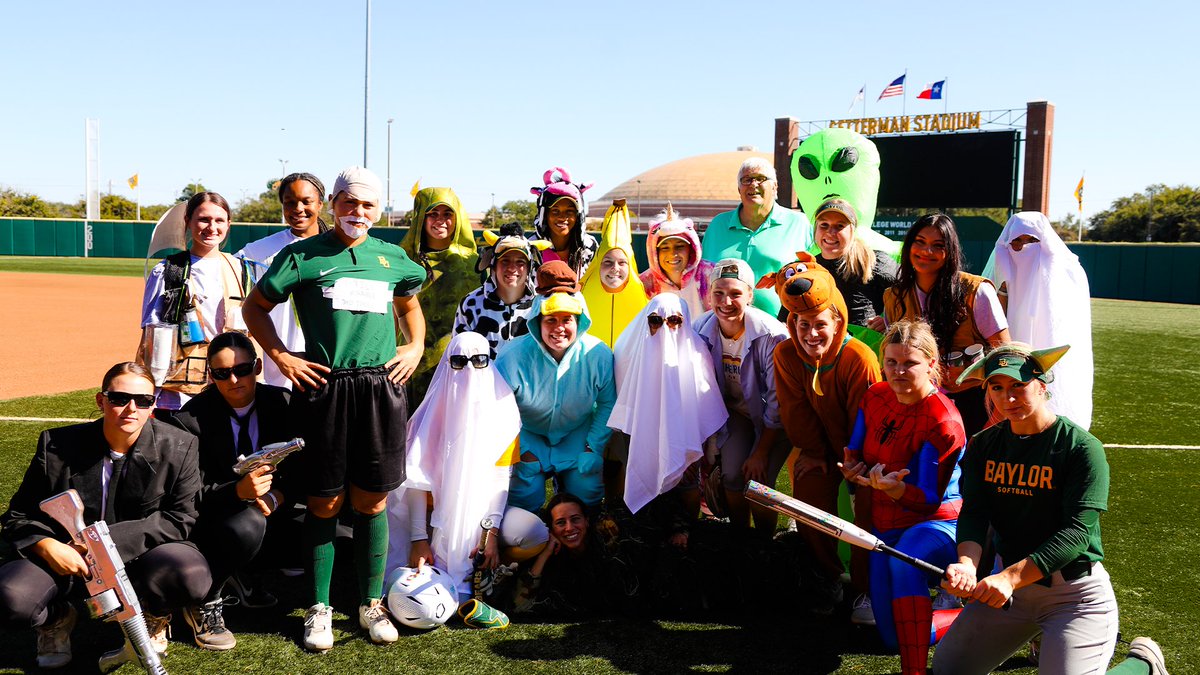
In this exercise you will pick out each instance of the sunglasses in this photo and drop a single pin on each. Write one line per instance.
(459, 361)
(241, 370)
(120, 399)
(656, 321)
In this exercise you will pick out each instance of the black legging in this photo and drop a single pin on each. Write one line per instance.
(165, 577)
(229, 539)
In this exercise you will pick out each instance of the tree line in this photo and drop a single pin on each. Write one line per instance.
(1158, 213)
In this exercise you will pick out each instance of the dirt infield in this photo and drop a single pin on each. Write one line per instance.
(60, 332)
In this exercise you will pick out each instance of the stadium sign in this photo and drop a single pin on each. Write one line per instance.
(870, 126)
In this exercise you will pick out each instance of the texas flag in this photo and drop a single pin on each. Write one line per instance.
(932, 91)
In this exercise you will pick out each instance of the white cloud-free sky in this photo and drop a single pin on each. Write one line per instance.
(487, 95)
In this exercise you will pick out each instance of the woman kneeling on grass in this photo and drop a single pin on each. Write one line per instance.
(1040, 482)
(138, 475)
(904, 454)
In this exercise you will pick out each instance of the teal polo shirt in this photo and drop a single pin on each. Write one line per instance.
(770, 247)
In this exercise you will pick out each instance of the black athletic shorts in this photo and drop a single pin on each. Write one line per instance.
(354, 431)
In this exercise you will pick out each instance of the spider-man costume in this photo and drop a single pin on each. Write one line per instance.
(927, 438)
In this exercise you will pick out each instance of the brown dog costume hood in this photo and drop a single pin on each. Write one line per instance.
(805, 287)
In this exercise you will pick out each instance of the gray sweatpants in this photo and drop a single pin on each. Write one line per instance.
(1077, 620)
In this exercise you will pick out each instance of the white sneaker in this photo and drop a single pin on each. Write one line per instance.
(945, 600)
(318, 628)
(54, 640)
(861, 613)
(374, 619)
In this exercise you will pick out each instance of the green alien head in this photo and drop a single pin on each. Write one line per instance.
(837, 162)
(841, 163)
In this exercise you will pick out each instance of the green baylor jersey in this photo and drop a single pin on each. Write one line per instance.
(1032, 489)
(343, 296)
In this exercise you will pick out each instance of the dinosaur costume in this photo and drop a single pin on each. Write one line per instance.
(450, 276)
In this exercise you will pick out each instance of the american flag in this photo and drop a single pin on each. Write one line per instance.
(896, 88)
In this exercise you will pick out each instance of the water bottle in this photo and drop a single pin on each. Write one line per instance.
(190, 332)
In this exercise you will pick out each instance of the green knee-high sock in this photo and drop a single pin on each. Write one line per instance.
(370, 554)
(1131, 666)
(319, 534)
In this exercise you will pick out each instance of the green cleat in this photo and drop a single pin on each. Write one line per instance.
(477, 614)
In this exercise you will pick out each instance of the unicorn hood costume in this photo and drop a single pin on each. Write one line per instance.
(693, 284)
(462, 443)
(1049, 303)
(668, 399)
(611, 308)
(581, 246)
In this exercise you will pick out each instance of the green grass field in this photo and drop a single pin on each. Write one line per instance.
(114, 267)
(1146, 378)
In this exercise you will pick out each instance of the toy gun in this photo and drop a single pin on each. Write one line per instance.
(477, 582)
(271, 454)
(111, 596)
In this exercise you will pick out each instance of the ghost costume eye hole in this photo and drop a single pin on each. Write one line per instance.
(844, 159)
(807, 167)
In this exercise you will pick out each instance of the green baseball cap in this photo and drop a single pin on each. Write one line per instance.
(1016, 361)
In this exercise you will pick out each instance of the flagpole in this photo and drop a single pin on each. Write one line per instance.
(1079, 236)
(904, 95)
(864, 91)
(139, 198)
(945, 98)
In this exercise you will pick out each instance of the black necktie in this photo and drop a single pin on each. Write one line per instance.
(114, 482)
(245, 447)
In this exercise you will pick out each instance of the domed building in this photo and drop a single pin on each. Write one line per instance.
(698, 187)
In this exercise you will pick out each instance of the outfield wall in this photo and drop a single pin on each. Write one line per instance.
(1125, 271)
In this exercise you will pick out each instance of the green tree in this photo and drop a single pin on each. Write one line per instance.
(152, 212)
(190, 190)
(116, 207)
(24, 205)
(1158, 213)
(520, 211)
(1068, 228)
(265, 208)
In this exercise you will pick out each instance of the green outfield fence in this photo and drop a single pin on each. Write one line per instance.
(1125, 271)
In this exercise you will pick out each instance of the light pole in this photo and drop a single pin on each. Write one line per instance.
(639, 209)
(366, 82)
(389, 170)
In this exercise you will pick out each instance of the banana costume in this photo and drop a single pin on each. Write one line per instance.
(611, 311)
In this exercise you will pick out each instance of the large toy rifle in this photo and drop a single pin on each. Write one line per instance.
(111, 597)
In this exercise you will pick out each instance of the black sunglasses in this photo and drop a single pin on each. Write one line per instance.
(459, 361)
(120, 399)
(656, 321)
(241, 370)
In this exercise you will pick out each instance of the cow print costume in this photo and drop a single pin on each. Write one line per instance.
(484, 312)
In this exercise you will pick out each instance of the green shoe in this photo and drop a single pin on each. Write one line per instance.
(476, 614)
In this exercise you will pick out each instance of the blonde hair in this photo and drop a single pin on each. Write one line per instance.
(858, 262)
(919, 336)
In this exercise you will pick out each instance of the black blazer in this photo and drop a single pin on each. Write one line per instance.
(209, 417)
(155, 503)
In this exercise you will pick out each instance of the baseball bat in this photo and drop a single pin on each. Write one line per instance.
(832, 525)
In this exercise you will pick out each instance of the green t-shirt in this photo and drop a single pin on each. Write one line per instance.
(1042, 494)
(343, 296)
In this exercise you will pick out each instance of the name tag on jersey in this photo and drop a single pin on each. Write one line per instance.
(359, 295)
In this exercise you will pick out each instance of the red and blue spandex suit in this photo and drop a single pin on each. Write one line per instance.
(927, 438)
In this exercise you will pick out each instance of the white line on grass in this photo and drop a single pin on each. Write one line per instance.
(44, 419)
(1152, 447)
(1107, 445)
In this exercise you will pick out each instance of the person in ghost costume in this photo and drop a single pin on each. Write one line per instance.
(1049, 303)
(462, 443)
(668, 401)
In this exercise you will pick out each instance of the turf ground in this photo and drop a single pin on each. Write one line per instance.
(1146, 383)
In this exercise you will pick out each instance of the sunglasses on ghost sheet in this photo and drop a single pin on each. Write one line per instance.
(460, 361)
(656, 321)
(240, 369)
(120, 399)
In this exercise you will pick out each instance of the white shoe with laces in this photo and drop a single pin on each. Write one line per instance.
(318, 628)
(54, 639)
(374, 619)
(861, 613)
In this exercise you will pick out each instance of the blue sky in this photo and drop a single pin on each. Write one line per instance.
(487, 95)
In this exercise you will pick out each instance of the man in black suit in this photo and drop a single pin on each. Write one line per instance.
(137, 474)
(233, 418)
